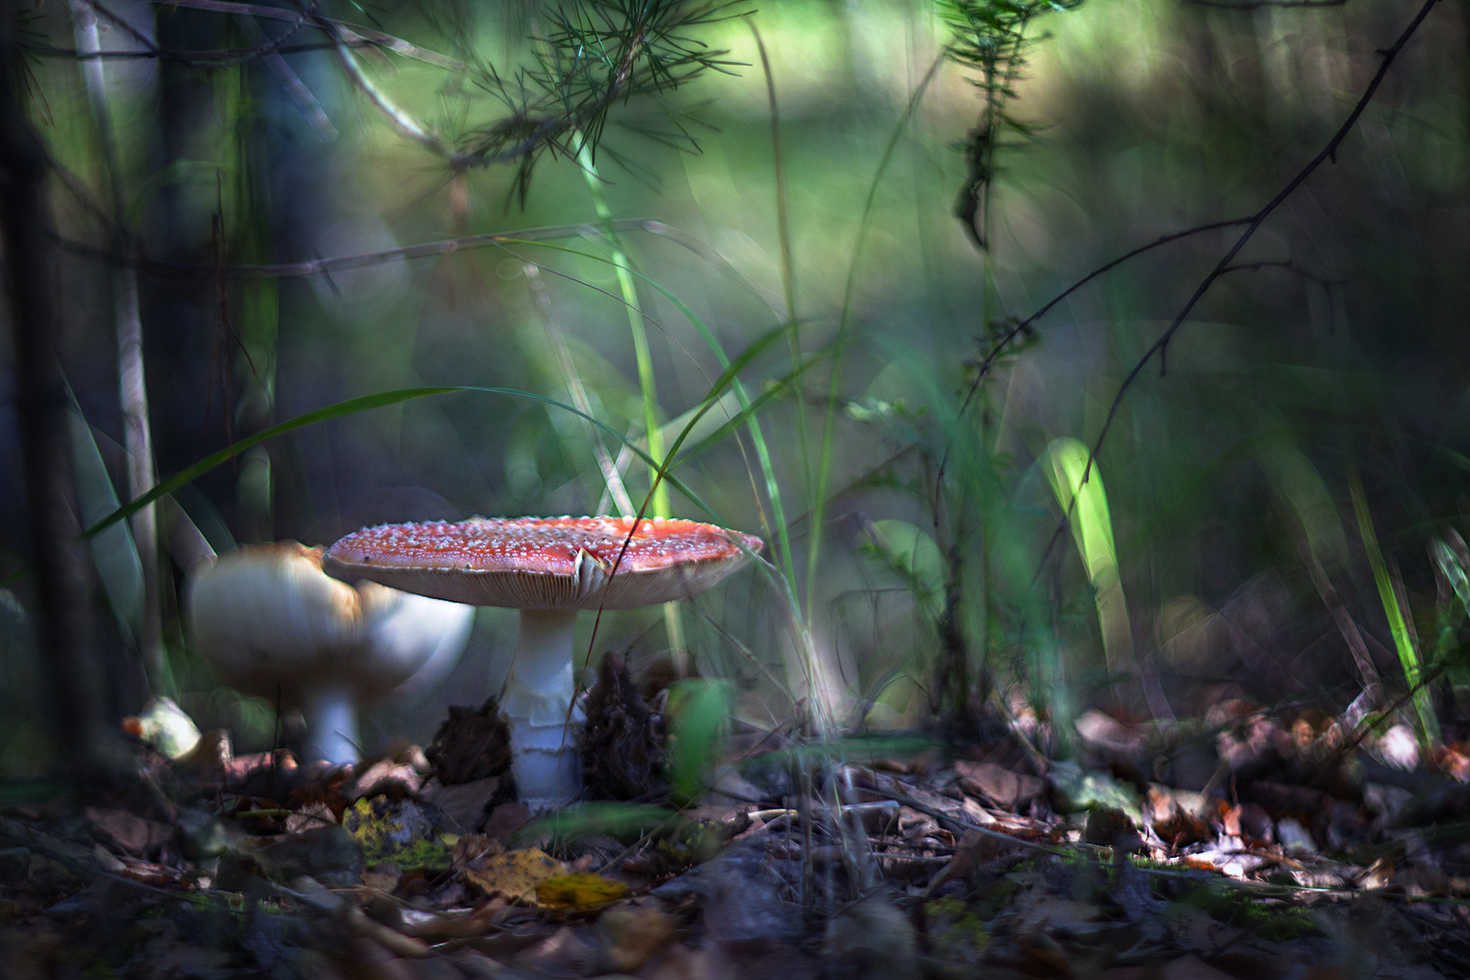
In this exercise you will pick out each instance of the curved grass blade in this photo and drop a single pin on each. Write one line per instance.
(352, 406)
(113, 552)
(1092, 528)
(751, 407)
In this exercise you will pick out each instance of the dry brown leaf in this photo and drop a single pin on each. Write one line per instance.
(974, 849)
(438, 928)
(997, 785)
(633, 934)
(130, 833)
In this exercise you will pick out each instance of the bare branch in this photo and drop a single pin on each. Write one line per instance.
(400, 119)
(340, 263)
(1161, 345)
(1020, 328)
(350, 34)
(213, 58)
(305, 99)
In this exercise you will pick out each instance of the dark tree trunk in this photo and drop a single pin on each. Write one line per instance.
(86, 737)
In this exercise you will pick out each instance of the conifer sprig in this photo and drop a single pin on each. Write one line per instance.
(989, 36)
(596, 54)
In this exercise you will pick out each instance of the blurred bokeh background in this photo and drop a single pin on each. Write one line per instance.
(1311, 413)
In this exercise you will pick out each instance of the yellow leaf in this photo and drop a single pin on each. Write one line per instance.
(579, 892)
(514, 874)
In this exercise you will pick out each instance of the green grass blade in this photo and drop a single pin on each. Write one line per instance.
(1092, 527)
(747, 412)
(788, 262)
(773, 490)
(647, 385)
(350, 407)
(1403, 644)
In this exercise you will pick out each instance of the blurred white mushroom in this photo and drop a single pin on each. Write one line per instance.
(165, 726)
(271, 622)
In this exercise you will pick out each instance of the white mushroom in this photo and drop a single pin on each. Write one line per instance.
(549, 568)
(269, 620)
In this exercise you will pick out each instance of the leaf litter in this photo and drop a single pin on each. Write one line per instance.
(1281, 856)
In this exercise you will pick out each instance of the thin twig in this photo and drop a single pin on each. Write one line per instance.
(345, 32)
(305, 99)
(400, 119)
(123, 25)
(1001, 345)
(211, 58)
(1342, 751)
(340, 263)
(128, 324)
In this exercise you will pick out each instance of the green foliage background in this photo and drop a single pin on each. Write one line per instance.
(1338, 345)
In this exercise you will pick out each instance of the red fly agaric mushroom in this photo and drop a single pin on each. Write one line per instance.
(548, 568)
(270, 621)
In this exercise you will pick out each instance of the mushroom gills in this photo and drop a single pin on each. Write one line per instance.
(590, 574)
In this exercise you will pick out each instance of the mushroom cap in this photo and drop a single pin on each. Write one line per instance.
(267, 615)
(545, 562)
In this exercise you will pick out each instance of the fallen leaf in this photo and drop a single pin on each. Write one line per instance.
(463, 804)
(1399, 747)
(1075, 789)
(506, 819)
(634, 934)
(974, 849)
(129, 832)
(210, 757)
(565, 952)
(1176, 820)
(1454, 761)
(514, 874)
(165, 726)
(309, 817)
(579, 892)
(1000, 786)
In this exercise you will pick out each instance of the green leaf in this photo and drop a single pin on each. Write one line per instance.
(1086, 504)
(701, 711)
(911, 552)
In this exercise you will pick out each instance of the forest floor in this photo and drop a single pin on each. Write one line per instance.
(1305, 852)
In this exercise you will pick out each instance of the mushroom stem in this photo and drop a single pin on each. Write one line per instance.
(545, 749)
(331, 723)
